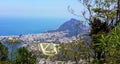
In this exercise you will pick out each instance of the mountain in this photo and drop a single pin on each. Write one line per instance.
(72, 27)
(67, 32)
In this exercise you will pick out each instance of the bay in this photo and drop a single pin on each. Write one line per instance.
(16, 26)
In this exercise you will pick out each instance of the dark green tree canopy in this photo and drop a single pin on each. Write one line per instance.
(24, 56)
(3, 52)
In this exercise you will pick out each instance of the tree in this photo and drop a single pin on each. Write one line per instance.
(110, 44)
(73, 51)
(118, 10)
(3, 52)
(12, 42)
(102, 9)
(101, 15)
(24, 56)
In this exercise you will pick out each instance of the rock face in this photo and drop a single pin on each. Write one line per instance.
(72, 27)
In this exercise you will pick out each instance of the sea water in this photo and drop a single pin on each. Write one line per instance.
(17, 26)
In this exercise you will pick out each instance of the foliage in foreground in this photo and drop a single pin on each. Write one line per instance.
(110, 45)
(3, 52)
(25, 57)
(73, 51)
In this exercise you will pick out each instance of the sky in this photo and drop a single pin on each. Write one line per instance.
(39, 8)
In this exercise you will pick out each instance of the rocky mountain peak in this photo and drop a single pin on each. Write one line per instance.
(73, 27)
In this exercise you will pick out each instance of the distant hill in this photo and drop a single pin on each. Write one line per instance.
(72, 27)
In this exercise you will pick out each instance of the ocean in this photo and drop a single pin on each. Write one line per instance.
(17, 26)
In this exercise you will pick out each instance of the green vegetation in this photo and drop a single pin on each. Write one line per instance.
(104, 33)
(3, 54)
(73, 51)
(110, 44)
(5, 62)
(107, 47)
(25, 57)
(22, 56)
(12, 42)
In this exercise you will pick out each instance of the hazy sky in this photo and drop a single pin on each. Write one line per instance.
(38, 8)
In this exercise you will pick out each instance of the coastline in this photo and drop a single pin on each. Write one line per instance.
(43, 37)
